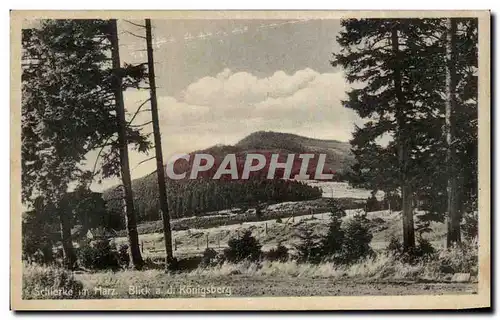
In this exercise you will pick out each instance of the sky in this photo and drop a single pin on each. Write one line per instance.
(221, 80)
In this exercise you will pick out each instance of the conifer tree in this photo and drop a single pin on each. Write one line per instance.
(376, 54)
(68, 110)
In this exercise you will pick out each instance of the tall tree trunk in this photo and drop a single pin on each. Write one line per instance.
(407, 210)
(67, 242)
(130, 218)
(160, 169)
(453, 212)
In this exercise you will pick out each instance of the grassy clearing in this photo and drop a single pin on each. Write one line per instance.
(42, 282)
(382, 267)
(226, 218)
(269, 233)
(382, 274)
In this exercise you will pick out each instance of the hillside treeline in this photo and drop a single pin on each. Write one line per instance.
(198, 197)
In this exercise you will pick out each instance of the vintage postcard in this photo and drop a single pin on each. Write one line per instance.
(250, 160)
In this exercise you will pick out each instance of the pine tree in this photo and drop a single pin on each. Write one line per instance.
(376, 54)
(68, 110)
(453, 221)
(309, 249)
(331, 244)
(401, 66)
(160, 169)
(460, 129)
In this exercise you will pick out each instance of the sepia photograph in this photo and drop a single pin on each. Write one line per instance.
(258, 160)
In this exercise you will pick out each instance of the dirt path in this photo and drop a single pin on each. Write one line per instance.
(327, 287)
(163, 286)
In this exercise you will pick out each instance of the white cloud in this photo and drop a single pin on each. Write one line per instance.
(227, 89)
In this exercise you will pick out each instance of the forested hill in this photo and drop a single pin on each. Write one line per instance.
(196, 197)
(338, 154)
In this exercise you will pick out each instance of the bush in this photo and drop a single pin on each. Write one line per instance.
(423, 251)
(309, 248)
(39, 236)
(49, 283)
(280, 253)
(279, 220)
(209, 257)
(185, 264)
(470, 225)
(341, 245)
(372, 204)
(395, 247)
(123, 256)
(356, 241)
(98, 255)
(459, 258)
(331, 244)
(244, 248)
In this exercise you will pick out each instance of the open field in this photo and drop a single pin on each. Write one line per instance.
(338, 190)
(346, 196)
(269, 233)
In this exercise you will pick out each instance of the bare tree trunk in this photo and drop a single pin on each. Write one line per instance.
(407, 211)
(130, 218)
(453, 213)
(160, 169)
(67, 243)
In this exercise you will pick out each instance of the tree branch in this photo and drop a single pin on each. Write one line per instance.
(135, 24)
(140, 125)
(146, 160)
(135, 35)
(137, 111)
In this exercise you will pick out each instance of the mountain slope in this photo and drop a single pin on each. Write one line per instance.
(196, 197)
(338, 154)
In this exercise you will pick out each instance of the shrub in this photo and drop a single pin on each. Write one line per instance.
(41, 282)
(209, 257)
(423, 251)
(341, 244)
(185, 264)
(331, 244)
(243, 248)
(395, 247)
(309, 249)
(372, 204)
(98, 255)
(314, 249)
(279, 220)
(470, 225)
(280, 253)
(459, 258)
(39, 235)
(123, 256)
(356, 242)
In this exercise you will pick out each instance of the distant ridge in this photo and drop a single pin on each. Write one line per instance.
(338, 154)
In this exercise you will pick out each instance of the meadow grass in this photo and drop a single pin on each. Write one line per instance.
(382, 268)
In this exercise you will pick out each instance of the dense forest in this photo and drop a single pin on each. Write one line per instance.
(198, 197)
